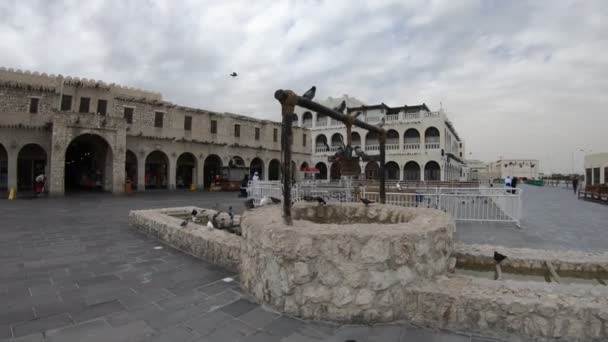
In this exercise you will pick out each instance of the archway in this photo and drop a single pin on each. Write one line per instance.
(131, 168)
(3, 168)
(432, 171)
(274, 170)
(334, 171)
(372, 170)
(411, 139)
(411, 171)
(321, 143)
(355, 139)
(372, 141)
(236, 161)
(307, 119)
(157, 168)
(337, 140)
(88, 164)
(185, 171)
(431, 138)
(257, 165)
(392, 170)
(212, 168)
(392, 137)
(322, 171)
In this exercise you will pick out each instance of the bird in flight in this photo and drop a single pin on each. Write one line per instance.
(234, 74)
(310, 93)
(499, 257)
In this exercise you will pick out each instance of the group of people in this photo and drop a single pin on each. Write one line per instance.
(511, 182)
(245, 183)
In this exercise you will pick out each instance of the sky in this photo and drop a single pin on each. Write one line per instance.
(519, 79)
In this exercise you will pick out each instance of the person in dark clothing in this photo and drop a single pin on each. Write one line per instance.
(575, 184)
(244, 184)
(514, 184)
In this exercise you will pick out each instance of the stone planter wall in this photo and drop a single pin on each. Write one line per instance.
(353, 272)
(213, 245)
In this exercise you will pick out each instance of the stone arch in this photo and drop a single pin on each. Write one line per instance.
(320, 142)
(303, 166)
(372, 139)
(372, 170)
(334, 171)
(274, 170)
(211, 168)
(307, 119)
(236, 161)
(3, 168)
(411, 171)
(322, 171)
(392, 137)
(392, 170)
(337, 140)
(432, 171)
(185, 170)
(157, 170)
(131, 168)
(89, 164)
(294, 118)
(411, 139)
(257, 165)
(31, 161)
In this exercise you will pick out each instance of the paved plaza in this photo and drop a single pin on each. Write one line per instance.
(72, 270)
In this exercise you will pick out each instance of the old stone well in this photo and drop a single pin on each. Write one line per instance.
(342, 262)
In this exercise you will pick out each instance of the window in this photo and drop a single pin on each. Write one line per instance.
(84, 105)
(128, 114)
(237, 130)
(275, 135)
(213, 126)
(188, 123)
(158, 119)
(34, 102)
(304, 139)
(257, 133)
(596, 175)
(102, 106)
(66, 103)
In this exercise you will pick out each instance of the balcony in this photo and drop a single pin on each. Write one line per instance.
(431, 146)
(372, 148)
(432, 114)
(411, 116)
(307, 123)
(392, 118)
(321, 149)
(392, 147)
(411, 146)
(373, 119)
(322, 122)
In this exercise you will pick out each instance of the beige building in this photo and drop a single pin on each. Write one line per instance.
(520, 168)
(90, 135)
(596, 168)
(420, 145)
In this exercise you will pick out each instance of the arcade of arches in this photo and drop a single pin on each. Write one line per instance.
(411, 171)
(157, 168)
(274, 170)
(185, 174)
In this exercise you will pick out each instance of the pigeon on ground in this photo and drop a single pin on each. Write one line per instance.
(398, 186)
(275, 200)
(210, 225)
(184, 223)
(231, 214)
(320, 200)
(341, 107)
(234, 74)
(308, 198)
(310, 93)
(194, 212)
(265, 201)
(366, 201)
(249, 204)
(499, 257)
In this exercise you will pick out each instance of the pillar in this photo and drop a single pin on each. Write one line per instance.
(12, 168)
(172, 172)
(118, 175)
(57, 176)
(200, 177)
(141, 173)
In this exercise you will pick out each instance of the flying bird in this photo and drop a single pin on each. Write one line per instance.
(184, 223)
(234, 74)
(366, 201)
(341, 107)
(499, 257)
(310, 93)
(249, 204)
(275, 200)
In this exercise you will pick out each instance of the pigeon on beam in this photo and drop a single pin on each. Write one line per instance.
(341, 107)
(275, 200)
(310, 93)
(320, 200)
(366, 201)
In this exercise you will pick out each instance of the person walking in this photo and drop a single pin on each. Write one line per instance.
(39, 184)
(575, 184)
(514, 184)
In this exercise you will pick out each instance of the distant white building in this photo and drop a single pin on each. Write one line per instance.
(420, 145)
(596, 168)
(476, 170)
(520, 168)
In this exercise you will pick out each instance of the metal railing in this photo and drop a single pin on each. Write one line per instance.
(411, 116)
(392, 147)
(431, 146)
(392, 118)
(321, 149)
(464, 204)
(372, 147)
(411, 146)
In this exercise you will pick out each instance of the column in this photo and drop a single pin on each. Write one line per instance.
(141, 172)
(172, 172)
(12, 168)
(200, 176)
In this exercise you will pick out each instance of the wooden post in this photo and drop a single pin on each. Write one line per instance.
(382, 170)
(288, 100)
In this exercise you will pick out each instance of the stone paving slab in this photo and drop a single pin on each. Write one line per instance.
(139, 293)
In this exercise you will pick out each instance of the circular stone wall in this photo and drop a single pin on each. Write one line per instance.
(342, 262)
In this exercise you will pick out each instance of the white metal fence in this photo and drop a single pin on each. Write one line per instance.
(464, 204)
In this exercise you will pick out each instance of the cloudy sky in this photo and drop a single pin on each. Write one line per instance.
(526, 79)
